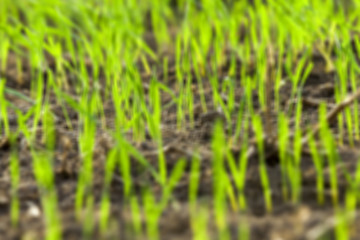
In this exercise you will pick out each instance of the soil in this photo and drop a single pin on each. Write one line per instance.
(305, 220)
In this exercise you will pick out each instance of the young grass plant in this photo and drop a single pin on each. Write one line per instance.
(342, 67)
(355, 113)
(136, 216)
(328, 143)
(301, 73)
(44, 174)
(105, 203)
(198, 65)
(294, 168)
(125, 166)
(152, 213)
(198, 214)
(220, 180)
(15, 180)
(179, 78)
(154, 121)
(283, 135)
(194, 181)
(346, 216)
(199, 223)
(86, 147)
(152, 209)
(319, 167)
(239, 170)
(89, 219)
(3, 110)
(43, 166)
(258, 128)
(340, 117)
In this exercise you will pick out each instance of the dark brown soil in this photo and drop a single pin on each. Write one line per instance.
(305, 220)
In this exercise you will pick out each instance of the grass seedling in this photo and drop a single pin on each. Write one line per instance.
(105, 204)
(154, 121)
(295, 172)
(239, 121)
(302, 71)
(198, 214)
(174, 178)
(199, 223)
(15, 180)
(4, 52)
(39, 100)
(52, 218)
(158, 11)
(248, 93)
(118, 100)
(189, 101)
(228, 90)
(283, 135)
(345, 216)
(194, 181)
(257, 124)
(180, 87)
(199, 72)
(356, 104)
(44, 174)
(319, 166)
(243, 163)
(279, 70)
(125, 166)
(89, 220)
(45, 178)
(354, 69)
(105, 210)
(153, 210)
(86, 147)
(143, 161)
(244, 230)
(59, 97)
(55, 49)
(342, 66)
(329, 145)
(261, 75)
(238, 171)
(136, 216)
(220, 181)
(3, 110)
(152, 214)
